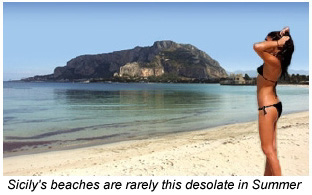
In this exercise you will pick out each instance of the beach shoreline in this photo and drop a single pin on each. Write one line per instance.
(224, 150)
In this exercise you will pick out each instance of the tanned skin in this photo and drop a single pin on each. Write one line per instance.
(267, 50)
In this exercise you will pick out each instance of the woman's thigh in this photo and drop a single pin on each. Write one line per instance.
(266, 126)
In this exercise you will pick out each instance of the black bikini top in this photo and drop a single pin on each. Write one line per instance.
(260, 71)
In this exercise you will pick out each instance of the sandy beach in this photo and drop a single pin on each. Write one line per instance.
(225, 150)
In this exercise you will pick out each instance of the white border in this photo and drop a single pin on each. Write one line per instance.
(307, 180)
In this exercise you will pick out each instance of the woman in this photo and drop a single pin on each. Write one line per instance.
(276, 52)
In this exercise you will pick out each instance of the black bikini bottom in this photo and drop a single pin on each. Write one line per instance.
(278, 107)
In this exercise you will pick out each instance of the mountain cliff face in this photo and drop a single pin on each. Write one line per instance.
(163, 57)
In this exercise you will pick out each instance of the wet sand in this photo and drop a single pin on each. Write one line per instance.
(224, 150)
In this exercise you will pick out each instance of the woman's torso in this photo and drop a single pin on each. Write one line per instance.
(266, 86)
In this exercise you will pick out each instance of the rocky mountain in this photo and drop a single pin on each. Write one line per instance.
(161, 59)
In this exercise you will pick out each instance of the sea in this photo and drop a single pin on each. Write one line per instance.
(42, 116)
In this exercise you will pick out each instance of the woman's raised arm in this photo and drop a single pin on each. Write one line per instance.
(262, 47)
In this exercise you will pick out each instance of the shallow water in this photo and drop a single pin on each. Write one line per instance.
(47, 116)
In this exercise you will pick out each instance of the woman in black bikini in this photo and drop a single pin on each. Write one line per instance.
(276, 52)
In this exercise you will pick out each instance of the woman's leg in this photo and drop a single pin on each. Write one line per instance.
(268, 169)
(274, 138)
(267, 129)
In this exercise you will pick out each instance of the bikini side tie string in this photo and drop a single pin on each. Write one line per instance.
(263, 108)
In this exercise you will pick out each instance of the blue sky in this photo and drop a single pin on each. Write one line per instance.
(37, 37)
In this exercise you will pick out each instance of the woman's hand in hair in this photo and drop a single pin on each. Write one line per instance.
(282, 41)
(285, 29)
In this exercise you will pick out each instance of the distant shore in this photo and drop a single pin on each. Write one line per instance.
(145, 81)
(295, 85)
(224, 150)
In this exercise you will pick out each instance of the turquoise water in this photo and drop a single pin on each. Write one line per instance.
(47, 116)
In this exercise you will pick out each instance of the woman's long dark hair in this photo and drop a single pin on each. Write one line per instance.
(286, 51)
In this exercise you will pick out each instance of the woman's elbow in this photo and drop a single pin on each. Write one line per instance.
(257, 47)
